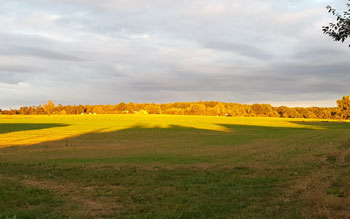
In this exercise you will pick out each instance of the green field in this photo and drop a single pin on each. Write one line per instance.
(158, 166)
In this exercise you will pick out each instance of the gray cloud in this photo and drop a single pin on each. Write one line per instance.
(242, 49)
(39, 53)
(90, 52)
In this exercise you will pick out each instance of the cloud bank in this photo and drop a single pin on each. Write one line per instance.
(105, 52)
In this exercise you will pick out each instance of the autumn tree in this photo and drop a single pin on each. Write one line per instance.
(263, 110)
(49, 107)
(153, 108)
(198, 109)
(131, 107)
(122, 107)
(339, 31)
(209, 108)
(344, 107)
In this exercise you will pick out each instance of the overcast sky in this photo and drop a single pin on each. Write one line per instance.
(111, 51)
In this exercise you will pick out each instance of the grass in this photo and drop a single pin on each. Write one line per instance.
(157, 166)
(20, 201)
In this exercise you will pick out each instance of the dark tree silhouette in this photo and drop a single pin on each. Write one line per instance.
(339, 31)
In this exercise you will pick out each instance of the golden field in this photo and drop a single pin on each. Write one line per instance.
(163, 166)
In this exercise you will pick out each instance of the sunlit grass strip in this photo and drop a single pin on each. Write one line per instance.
(75, 125)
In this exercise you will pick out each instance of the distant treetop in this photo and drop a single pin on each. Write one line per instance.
(206, 108)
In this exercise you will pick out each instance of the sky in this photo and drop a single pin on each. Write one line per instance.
(112, 51)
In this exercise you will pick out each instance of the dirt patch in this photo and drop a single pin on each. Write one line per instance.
(81, 200)
(325, 193)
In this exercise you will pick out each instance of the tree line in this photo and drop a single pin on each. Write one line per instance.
(206, 108)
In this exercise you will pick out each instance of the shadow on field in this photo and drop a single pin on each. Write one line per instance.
(182, 136)
(15, 127)
(174, 144)
(267, 178)
(234, 134)
(325, 124)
